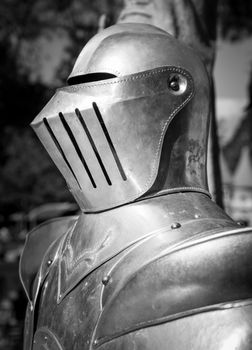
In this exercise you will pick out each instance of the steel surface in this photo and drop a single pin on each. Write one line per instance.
(152, 262)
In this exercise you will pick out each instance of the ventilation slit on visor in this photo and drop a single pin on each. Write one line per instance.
(112, 148)
(56, 142)
(75, 144)
(78, 113)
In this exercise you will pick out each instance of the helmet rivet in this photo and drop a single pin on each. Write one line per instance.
(174, 83)
(105, 280)
(175, 225)
(241, 223)
(49, 262)
(177, 83)
(197, 216)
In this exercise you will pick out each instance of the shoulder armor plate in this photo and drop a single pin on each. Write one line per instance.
(157, 281)
(36, 245)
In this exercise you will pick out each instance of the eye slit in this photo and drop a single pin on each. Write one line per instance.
(177, 83)
(88, 78)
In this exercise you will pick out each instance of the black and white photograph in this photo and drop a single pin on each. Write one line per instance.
(126, 175)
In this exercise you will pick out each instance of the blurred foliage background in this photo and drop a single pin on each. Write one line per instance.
(27, 176)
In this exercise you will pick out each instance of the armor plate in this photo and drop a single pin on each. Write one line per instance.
(140, 134)
(152, 262)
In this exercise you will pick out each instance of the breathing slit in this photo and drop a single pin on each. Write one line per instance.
(112, 148)
(78, 113)
(77, 148)
(56, 142)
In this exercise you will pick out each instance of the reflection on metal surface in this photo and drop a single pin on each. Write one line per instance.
(56, 142)
(78, 113)
(111, 145)
(236, 340)
(76, 146)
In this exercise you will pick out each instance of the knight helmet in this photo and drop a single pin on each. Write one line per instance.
(133, 120)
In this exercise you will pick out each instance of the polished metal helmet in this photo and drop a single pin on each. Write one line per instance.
(133, 122)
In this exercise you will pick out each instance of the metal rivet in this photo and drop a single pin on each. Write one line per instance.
(241, 223)
(175, 225)
(45, 337)
(95, 341)
(49, 262)
(197, 216)
(177, 83)
(105, 280)
(174, 83)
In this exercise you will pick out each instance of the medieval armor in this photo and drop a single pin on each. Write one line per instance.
(152, 262)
